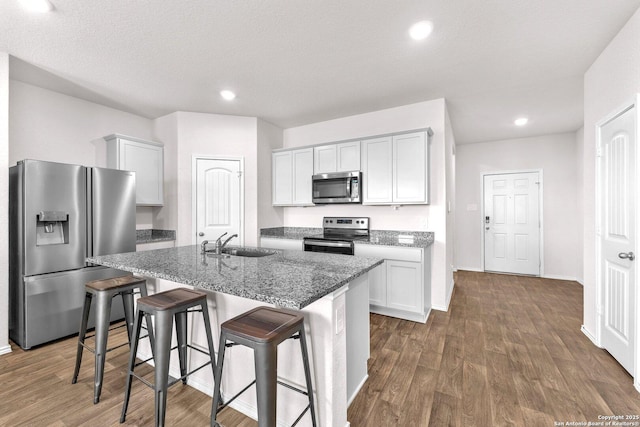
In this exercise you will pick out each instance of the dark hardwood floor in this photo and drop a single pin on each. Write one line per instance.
(508, 352)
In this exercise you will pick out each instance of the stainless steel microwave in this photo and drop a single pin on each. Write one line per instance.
(337, 187)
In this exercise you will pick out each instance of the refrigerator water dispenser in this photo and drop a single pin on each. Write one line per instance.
(52, 228)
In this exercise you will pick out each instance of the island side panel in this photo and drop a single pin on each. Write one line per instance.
(358, 336)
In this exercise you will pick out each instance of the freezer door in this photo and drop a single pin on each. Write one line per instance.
(53, 305)
(53, 214)
(112, 211)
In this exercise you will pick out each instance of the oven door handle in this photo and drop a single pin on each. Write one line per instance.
(329, 244)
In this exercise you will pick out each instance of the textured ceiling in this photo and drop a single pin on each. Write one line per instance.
(293, 62)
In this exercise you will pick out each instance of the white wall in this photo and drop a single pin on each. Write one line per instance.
(450, 161)
(611, 81)
(269, 138)
(555, 155)
(47, 125)
(165, 130)
(211, 135)
(4, 203)
(431, 217)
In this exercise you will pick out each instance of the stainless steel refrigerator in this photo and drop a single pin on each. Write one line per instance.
(59, 214)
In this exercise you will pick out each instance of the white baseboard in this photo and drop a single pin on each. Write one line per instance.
(200, 386)
(357, 390)
(591, 337)
(5, 349)
(559, 277)
(477, 270)
(636, 386)
(447, 303)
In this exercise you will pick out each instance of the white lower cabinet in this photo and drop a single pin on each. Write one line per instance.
(378, 285)
(401, 286)
(404, 285)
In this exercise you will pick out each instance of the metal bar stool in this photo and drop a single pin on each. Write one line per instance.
(103, 291)
(165, 306)
(263, 329)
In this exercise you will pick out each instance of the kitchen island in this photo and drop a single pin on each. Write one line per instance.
(331, 291)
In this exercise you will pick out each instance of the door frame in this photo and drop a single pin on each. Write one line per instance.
(540, 213)
(599, 288)
(194, 192)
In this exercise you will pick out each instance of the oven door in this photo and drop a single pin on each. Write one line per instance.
(343, 247)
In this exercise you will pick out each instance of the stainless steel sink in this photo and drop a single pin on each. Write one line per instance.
(249, 252)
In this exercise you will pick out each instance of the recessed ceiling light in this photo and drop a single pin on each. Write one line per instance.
(521, 121)
(227, 94)
(37, 6)
(421, 30)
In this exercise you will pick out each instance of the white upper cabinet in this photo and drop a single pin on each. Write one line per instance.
(302, 173)
(395, 169)
(282, 178)
(146, 159)
(291, 177)
(410, 168)
(342, 157)
(348, 156)
(324, 159)
(377, 171)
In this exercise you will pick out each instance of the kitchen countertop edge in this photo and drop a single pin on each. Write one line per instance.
(421, 239)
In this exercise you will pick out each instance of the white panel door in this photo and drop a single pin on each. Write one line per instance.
(618, 228)
(218, 199)
(512, 223)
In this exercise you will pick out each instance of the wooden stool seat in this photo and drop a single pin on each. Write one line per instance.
(170, 300)
(264, 324)
(114, 283)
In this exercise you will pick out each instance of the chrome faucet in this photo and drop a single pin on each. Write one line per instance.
(220, 245)
(203, 246)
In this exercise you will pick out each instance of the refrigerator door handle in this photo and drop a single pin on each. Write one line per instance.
(89, 212)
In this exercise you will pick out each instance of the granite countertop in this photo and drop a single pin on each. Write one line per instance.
(292, 279)
(153, 235)
(419, 239)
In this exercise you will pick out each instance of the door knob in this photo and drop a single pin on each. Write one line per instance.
(627, 255)
(201, 234)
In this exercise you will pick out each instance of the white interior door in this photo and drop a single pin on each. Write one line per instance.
(512, 223)
(218, 199)
(617, 236)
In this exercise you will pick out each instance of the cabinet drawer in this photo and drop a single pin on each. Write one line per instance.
(389, 252)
